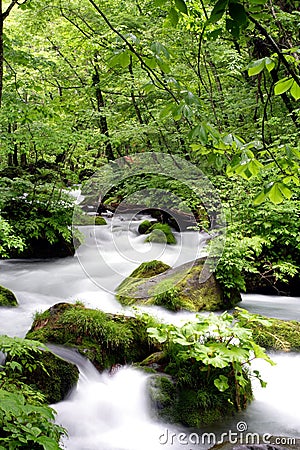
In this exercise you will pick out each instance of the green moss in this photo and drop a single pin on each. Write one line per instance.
(105, 339)
(160, 233)
(100, 220)
(190, 397)
(7, 297)
(144, 226)
(281, 335)
(146, 270)
(178, 288)
(56, 383)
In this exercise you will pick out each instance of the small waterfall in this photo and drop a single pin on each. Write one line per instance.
(107, 411)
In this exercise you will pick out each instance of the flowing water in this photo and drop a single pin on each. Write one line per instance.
(109, 412)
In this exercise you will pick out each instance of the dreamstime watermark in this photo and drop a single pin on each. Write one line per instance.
(174, 176)
(240, 436)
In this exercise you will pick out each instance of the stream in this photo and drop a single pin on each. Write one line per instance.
(107, 412)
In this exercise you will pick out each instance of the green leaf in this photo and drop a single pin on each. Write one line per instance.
(238, 13)
(283, 85)
(260, 353)
(275, 194)
(295, 90)
(124, 59)
(173, 16)
(270, 64)
(221, 383)
(48, 443)
(260, 198)
(181, 6)
(218, 11)
(256, 67)
(151, 62)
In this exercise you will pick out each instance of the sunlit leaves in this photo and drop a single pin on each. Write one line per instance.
(275, 191)
(217, 342)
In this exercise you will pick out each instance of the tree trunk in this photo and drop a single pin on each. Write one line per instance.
(102, 119)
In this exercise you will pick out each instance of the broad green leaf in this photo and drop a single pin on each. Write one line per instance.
(151, 62)
(181, 6)
(163, 65)
(124, 59)
(260, 353)
(270, 64)
(47, 443)
(221, 383)
(275, 194)
(167, 110)
(285, 190)
(238, 13)
(256, 67)
(260, 198)
(173, 16)
(218, 11)
(283, 85)
(295, 90)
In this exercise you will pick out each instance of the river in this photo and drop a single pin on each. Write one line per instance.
(112, 412)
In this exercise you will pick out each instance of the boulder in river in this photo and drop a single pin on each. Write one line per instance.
(58, 380)
(175, 289)
(280, 335)
(7, 297)
(105, 339)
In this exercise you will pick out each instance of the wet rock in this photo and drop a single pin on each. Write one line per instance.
(105, 339)
(7, 297)
(58, 380)
(175, 289)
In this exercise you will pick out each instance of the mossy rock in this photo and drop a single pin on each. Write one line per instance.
(105, 339)
(160, 233)
(60, 379)
(175, 289)
(194, 402)
(99, 220)
(145, 226)
(146, 270)
(281, 335)
(7, 297)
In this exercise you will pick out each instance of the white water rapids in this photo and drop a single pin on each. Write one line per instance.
(112, 412)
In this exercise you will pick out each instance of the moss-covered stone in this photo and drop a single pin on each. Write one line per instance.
(175, 289)
(105, 339)
(190, 397)
(99, 220)
(281, 335)
(7, 297)
(160, 233)
(61, 377)
(144, 226)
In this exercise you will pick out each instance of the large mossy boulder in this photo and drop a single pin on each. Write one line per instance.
(157, 232)
(105, 339)
(57, 381)
(280, 335)
(192, 407)
(175, 289)
(7, 297)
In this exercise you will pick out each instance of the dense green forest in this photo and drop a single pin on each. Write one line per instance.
(215, 83)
